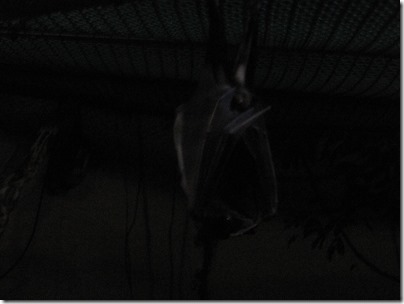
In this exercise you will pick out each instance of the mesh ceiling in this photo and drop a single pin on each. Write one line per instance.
(339, 47)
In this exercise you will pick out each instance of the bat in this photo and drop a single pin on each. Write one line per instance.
(221, 140)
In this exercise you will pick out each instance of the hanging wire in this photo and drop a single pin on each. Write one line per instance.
(170, 240)
(39, 147)
(128, 259)
(183, 255)
(30, 239)
(146, 213)
(131, 222)
(209, 249)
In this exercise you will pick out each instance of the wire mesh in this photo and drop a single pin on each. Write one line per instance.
(303, 46)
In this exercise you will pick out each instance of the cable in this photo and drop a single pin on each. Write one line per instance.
(141, 190)
(128, 263)
(148, 240)
(31, 237)
(170, 244)
(129, 226)
(183, 251)
(146, 214)
(372, 266)
(209, 246)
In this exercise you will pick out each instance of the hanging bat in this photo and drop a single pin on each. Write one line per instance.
(222, 143)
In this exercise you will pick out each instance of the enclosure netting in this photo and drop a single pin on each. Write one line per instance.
(334, 47)
(332, 66)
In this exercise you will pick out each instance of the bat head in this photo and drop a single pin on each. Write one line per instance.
(242, 99)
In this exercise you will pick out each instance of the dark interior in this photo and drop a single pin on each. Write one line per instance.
(110, 74)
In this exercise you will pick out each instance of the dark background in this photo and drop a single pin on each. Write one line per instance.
(110, 75)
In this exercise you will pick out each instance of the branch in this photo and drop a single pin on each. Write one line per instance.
(367, 262)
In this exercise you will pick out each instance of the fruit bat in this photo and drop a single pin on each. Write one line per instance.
(221, 140)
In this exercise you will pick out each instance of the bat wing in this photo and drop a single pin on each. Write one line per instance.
(257, 141)
(193, 133)
(214, 144)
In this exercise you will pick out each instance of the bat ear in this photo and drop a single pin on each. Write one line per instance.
(245, 120)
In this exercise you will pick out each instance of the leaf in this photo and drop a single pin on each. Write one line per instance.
(314, 223)
(312, 226)
(308, 232)
(353, 266)
(328, 228)
(292, 239)
(287, 226)
(319, 240)
(340, 247)
(337, 231)
(320, 245)
(330, 252)
(368, 225)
